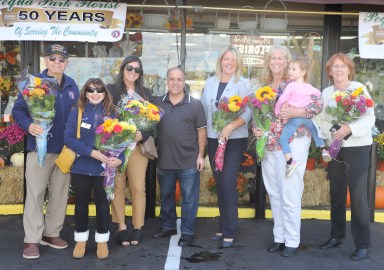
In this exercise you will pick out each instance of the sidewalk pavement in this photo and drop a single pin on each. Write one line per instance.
(249, 251)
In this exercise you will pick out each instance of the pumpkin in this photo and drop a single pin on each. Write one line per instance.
(17, 159)
(1, 162)
(348, 198)
(379, 198)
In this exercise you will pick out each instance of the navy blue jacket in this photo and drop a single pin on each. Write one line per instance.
(92, 117)
(67, 96)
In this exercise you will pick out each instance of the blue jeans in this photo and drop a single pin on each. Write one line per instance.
(290, 129)
(190, 187)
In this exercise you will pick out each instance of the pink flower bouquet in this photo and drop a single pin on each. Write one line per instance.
(348, 106)
(262, 103)
(112, 137)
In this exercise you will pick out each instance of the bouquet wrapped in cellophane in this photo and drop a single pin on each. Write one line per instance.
(228, 109)
(346, 106)
(262, 103)
(112, 137)
(40, 95)
(142, 113)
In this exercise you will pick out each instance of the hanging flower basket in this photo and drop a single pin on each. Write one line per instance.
(275, 24)
(155, 20)
(222, 22)
(247, 25)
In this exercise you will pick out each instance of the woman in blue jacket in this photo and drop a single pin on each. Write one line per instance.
(226, 83)
(96, 105)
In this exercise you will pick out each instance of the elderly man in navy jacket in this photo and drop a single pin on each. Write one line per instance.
(39, 229)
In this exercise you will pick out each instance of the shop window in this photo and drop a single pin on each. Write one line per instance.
(9, 71)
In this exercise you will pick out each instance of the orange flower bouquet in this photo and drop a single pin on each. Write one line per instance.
(40, 95)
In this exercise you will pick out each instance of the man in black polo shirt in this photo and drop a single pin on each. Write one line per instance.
(182, 137)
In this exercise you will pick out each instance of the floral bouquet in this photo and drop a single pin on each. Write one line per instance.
(228, 110)
(112, 137)
(262, 103)
(39, 94)
(142, 113)
(347, 107)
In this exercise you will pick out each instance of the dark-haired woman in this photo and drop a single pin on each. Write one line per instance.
(96, 105)
(129, 81)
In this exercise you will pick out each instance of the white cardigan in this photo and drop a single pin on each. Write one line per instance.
(361, 128)
(241, 88)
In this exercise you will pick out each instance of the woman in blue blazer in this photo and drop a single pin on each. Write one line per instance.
(227, 82)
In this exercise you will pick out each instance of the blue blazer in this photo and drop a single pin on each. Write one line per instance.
(241, 88)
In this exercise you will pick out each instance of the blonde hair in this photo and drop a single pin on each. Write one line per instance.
(267, 74)
(238, 59)
(305, 64)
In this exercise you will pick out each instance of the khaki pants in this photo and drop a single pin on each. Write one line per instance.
(37, 180)
(135, 171)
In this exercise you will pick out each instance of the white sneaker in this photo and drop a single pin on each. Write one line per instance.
(291, 168)
(326, 156)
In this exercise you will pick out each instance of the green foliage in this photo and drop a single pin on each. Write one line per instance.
(380, 146)
(314, 152)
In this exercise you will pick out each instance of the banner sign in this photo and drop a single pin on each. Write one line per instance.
(62, 20)
(371, 35)
(252, 48)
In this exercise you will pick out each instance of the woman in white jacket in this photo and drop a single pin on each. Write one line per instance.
(227, 82)
(350, 167)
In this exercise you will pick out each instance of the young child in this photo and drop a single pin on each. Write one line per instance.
(298, 94)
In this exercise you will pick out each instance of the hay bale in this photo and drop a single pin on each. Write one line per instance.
(316, 189)
(11, 185)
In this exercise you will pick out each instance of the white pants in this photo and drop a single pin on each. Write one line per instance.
(285, 193)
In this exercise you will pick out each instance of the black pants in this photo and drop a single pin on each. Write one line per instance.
(226, 183)
(351, 167)
(83, 186)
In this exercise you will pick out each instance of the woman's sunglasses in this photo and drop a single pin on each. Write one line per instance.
(130, 68)
(54, 58)
(93, 90)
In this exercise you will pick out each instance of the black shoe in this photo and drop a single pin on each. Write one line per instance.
(164, 233)
(332, 243)
(359, 254)
(185, 240)
(217, 237)
(289, 252)
(276, 247)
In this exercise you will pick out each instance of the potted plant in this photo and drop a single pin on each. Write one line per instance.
(380, 151)
(314, 154)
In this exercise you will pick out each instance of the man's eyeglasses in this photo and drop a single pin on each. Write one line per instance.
(94, 89)
(130, 68)
(54, 58)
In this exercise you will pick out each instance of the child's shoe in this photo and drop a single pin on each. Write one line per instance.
(325, 155)
(291, 168)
